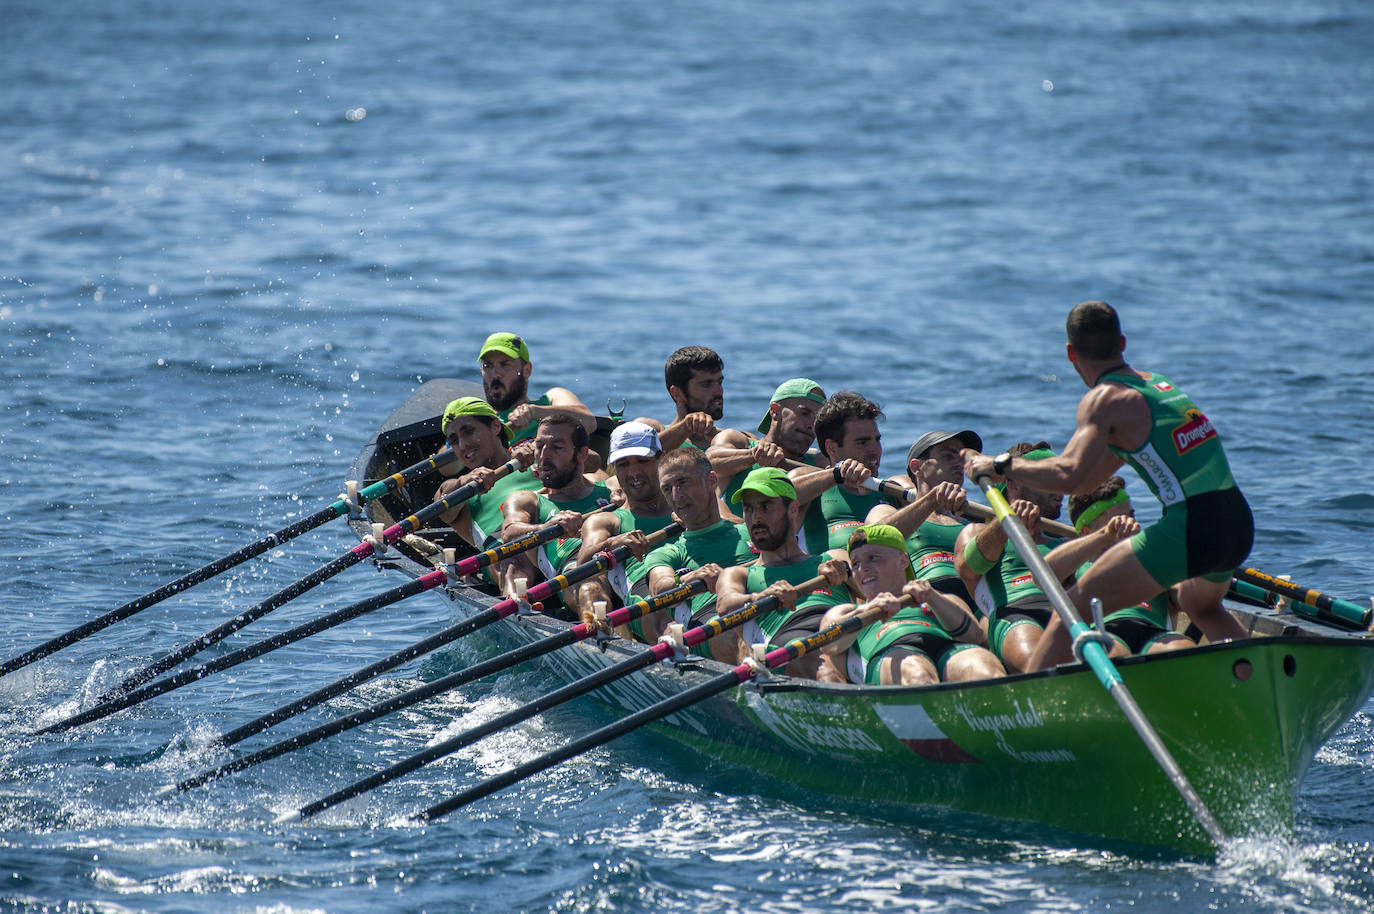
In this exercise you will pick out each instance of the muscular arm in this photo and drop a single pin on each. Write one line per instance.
(1110, 414)
(521, 513)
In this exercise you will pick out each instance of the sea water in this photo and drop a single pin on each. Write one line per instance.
(234, 236)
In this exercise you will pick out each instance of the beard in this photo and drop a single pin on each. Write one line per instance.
(769, 540)
(502, 398)
(557, 477)
(713, 408)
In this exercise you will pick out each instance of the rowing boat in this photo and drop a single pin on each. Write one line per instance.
(1243, 719)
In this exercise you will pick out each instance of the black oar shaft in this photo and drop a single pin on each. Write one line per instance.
(446, 683)
(542, 591)
(1340, 613)
(204, 573)
(252, 651)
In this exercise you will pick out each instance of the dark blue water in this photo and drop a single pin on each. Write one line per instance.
(235, 236)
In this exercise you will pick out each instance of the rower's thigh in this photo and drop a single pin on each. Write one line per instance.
(903, 667)
(1118, 575)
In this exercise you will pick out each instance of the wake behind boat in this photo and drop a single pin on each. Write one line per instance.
(1242, 718)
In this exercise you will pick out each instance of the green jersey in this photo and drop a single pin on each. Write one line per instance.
(649, 523)
(723, 543)
(557, 553)
(833, 515)
(485, 509)
(824, 597)
(1182, 457)
(528, 430)
(931, 549)
(1008, 581)
(732, 484)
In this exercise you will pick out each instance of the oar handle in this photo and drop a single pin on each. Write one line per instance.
(449, 502)
(501, 551)
(399, 480)
(893, 489)
(1338, 612)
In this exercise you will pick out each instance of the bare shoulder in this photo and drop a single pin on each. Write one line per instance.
(524, 502)
(561, 396)
(730, 437)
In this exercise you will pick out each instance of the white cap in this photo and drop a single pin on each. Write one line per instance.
(634, 439)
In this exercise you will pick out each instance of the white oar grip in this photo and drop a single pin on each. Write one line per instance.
(378, 539)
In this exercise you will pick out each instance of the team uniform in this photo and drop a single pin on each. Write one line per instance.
(1008, 596)
(913, 628)
(833, 515)
(485, 510)
(782, 625)
(1138, 627)
(554, 555)
(734, 482)
(528, 430)
(619, 575)
(931, 548)
(1206, 529)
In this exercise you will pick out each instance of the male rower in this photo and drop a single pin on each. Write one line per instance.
(936, 639)
(633, 460)
(1015, 610)
(505, 361)
(695, 378)
(479, 438)
(1139, 417)
(932, 521)
(560, 447)
(708, 545)
(788, 429)
(768, 501)
(847, 433)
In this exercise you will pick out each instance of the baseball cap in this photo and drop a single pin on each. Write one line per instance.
(633, 439)
(769, 481)
(882, 535)
(471, 406)
(803, 388)
(930, 439)
(506, 344)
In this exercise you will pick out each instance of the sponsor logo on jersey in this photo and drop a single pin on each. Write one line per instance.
(1022, 579)
(937, 558)
(1193, 432)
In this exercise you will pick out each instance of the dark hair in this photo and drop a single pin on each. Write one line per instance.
(1094, 330)
(1080, 503)
(579, 431)
(677, 371)
(688, 457)
(1025, 447)
(842, 407)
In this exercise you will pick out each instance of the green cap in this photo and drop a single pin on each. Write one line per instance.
(769, 481)
(506, 344)
(471, 406)
(803, 388)
(882, 535)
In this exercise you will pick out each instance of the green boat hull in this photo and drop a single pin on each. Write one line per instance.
(1243, 719)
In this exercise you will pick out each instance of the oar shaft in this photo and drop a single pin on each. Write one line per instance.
(1338, 612)
(205, 572)
(544, 590)
(420, 693)
(663, 650)
(1096, 658)
(252, 651)
(713, 686)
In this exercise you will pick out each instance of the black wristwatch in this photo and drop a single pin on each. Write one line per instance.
(1001, 463)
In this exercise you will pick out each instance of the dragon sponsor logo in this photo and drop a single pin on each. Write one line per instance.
(937, 558)
(1195, 431)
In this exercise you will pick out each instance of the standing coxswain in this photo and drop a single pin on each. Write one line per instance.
(1140, 418)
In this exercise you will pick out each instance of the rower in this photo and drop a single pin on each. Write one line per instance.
(560, 447)
(695, 378)
(788, 429)
(932, 522)
(1015, 610)
(505, 361)
(834, 501)
(633, 459)
(1139, 417)
(769, 505)
(936, 639)
(708, 545)
(1106, 512)
(480, 440)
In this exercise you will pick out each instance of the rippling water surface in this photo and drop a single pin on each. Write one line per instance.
(235, 236)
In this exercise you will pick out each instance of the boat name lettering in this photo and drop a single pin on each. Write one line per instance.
(805, 736)
(999, 722)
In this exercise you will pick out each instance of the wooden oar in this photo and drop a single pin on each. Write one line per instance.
(866, 615)
(355, 555)
(206, 572)
(663, 650)
(1095, 656)
(579, 632)
(602, 561)
(1331, 610)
